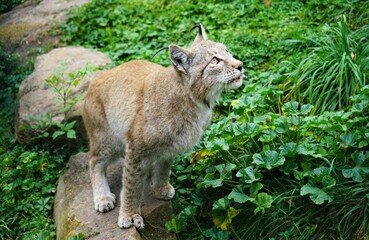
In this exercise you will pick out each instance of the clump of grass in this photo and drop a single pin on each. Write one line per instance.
(333, 71)
(294, 218)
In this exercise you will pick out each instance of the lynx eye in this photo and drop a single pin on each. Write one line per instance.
(215, 60)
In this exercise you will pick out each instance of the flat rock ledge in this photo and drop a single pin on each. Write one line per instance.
(74, 211)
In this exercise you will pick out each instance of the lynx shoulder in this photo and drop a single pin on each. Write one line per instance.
(144, 114)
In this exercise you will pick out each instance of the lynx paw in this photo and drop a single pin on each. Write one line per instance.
(127, 221)
(105, 203)
(165, 193)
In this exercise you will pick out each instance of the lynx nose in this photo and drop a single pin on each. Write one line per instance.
(238, 66)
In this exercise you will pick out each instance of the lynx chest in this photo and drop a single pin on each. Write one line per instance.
(176, 134)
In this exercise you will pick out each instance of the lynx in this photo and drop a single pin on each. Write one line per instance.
(144, 114)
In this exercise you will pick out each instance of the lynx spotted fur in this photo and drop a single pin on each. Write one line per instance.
(144, 114)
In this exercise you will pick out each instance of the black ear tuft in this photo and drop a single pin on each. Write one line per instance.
(201, 34)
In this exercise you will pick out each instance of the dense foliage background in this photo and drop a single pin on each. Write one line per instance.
(286, 156)
(7, 5)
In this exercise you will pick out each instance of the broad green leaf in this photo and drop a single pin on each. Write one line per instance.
(71, 134)
(251, 129)
(57, 134)
(223, 213)
(328, 181)
(318, 196)
(263, 200)
(321, 175)
(28, 184)
(298, 175)
(69, 126)
(328, 141)
(238, 128)
(291, 108)
(221, 204)
(221, 235)
(250, 102)
(268, 159)
(218, 144)
(268, 136)
(289, 166)
(179, 222)
(210, 180)
(360, 107)
(296, 120)
(249, 174)
(320, 172)
(176, 225)
(363, 143)
(255, 187)
(216, 178)
(340, 115)
(309, 149)
(361, 167)
(282, 127)
(306, 109)
(288, 149)
(188, 211)
(217, 234)
(349, 140)
(238, 194)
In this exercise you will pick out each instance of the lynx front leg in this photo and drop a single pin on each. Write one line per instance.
(131, 195)
(104, 200)
(160, 186)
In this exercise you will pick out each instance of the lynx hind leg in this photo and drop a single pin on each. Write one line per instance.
(103, 151)
(104, 147)
(160, 186)
(134, 180)
(104, 200)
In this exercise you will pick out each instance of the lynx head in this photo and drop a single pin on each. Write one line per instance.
(207, 68)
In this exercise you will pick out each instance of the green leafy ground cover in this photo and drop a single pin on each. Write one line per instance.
(286, 156)
(28, 174)
(7, 5)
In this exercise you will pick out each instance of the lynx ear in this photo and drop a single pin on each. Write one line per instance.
(180, 58)
(201, 34)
